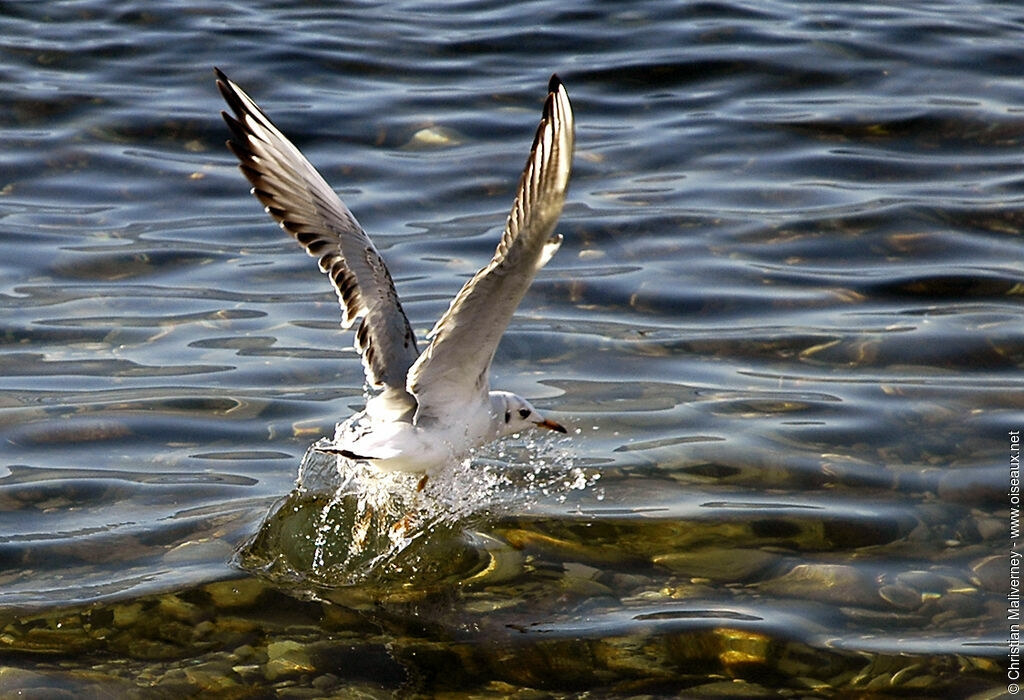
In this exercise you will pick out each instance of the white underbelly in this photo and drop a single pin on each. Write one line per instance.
(401, 446)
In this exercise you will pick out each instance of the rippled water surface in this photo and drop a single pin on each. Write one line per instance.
(785, 327)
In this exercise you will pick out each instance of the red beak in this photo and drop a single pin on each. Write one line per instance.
(552, 425)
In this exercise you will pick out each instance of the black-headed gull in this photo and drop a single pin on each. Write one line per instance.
(431, 407)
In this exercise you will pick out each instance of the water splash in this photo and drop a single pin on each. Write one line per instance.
(347, 522)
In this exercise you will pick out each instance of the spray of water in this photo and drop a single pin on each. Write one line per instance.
(347, 522)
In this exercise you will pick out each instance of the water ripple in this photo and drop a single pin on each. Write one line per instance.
(784, 327)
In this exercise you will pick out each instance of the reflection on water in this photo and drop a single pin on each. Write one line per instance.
(785, 324)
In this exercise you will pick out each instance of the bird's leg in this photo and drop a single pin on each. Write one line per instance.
(362, 529)
(403, 526)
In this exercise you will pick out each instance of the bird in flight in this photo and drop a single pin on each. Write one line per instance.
(432, 407)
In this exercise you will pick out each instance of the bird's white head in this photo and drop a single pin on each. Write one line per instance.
(513, 414)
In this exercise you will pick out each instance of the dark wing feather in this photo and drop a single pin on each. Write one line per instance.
(302, 202)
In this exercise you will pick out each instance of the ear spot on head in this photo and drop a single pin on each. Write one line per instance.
(524, 412)
(508, 416)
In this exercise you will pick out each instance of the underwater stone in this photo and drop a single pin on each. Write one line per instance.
(239, 593)
(991, 572)
(173, 607)
(718, 565)
(991, 528)
(287, 658)
(924, 581)
(900, 595)
(828, 583)
(126, 615)
(433, 136)
(214, 677)
(736, 689)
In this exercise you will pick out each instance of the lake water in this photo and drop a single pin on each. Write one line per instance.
(785, 328)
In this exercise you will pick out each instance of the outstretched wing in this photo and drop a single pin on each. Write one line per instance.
(302, 202)
(454, 368)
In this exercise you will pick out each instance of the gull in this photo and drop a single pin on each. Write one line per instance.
(432, 407)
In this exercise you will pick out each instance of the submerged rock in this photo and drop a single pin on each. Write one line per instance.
(839, 584)
(719, 565)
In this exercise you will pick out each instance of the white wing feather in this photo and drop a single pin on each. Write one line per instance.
(453, 370)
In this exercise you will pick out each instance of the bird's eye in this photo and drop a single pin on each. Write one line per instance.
(508, 416)
(524, 412)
